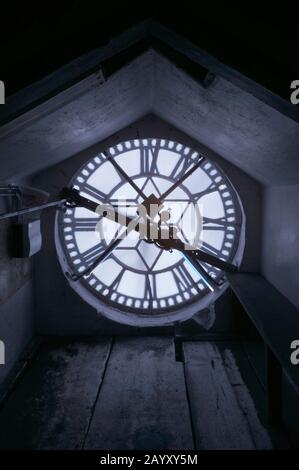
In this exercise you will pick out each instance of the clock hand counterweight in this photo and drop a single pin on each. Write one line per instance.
(73, 199)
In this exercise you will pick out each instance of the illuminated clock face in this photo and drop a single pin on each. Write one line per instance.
(140, 280)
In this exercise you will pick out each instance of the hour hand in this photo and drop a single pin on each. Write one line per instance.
(182, 179)
(203, 257)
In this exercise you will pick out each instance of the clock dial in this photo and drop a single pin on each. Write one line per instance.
(137, 276)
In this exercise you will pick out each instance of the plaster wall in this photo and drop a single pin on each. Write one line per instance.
(16, 301)
(280, 246)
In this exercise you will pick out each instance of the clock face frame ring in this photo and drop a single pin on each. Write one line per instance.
(167, 310)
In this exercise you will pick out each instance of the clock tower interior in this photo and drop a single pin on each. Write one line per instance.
(149, 345)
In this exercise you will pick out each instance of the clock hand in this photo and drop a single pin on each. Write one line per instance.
(124, 175)
(194, 255)
(74, 198)
(97, 261)
(180, 181)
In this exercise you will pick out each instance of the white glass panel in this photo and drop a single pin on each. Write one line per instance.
(167, 260)
(130, 162)
(104, 178)
(132, 285)
(107, 271)
(166, 285)
(86, 240)
(213, 237)
(131, 259)
(167, 161)
(212, 206)
(198, 181)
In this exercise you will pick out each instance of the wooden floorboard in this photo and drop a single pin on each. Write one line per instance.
(223, 413)
(128, 394)
(142, 403)
(51, 406)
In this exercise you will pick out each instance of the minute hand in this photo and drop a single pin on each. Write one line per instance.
(124, 175)
(197, 256)
(180, 181)
(97, 261)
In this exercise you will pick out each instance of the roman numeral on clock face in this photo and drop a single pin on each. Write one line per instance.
(94, 252)
(149, 159)
(93, 192)
(85, 224)
(182, 277)
(184, 164)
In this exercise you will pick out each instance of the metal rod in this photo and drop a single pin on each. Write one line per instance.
(180, 181)
(28, 210)
(76, 277)
(124, 175)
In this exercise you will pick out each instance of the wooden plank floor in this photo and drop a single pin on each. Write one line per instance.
(129, 393)
(51, 406)
(143, 403)
(223, 412)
